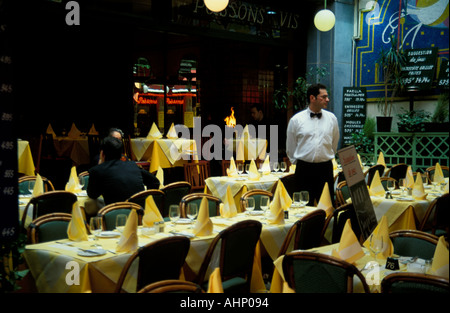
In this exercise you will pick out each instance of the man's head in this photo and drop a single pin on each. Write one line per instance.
(117, 133)
(317, 96)
(257, 112)
(111, 148)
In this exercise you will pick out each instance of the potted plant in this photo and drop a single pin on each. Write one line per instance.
(391, 62)
(413, 121)
(440, 118)
(364, 140)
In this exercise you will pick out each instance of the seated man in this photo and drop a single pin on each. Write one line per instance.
(114, 179)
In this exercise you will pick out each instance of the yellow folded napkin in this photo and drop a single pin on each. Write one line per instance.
(38, 188)
(265, 168)
(228, 207)
(215, 282)
(160, 176)
(325, 202)
(335, 165)
(381, 231)
(381, 159)
(74, 132)
(281, 201)
(253, 171)
(240, 147)
(151, 213)
(349, 248)
(76, 230)
(128, 241)
(171, 133)
(292, 168)
(360, 162)
(409, 178)
(418, 191)
(154, 132)
(92, 130)
(376, 188)
(439, 267)
(245, 133)
(50, 130)
(438, 174)
(203, 226)
(232, 171)
(73, 185)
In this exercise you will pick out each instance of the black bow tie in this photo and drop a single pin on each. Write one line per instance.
(319, 115)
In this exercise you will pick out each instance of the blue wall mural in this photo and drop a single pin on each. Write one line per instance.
(418, 24)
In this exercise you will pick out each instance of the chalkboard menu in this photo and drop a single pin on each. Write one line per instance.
(443, 75)
(354, 110)
(420, 67)
(8, 143)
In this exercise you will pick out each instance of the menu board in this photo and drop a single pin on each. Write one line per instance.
(354, 111)
(9, 208)
(443, 75)
(420, 67)
(359, 193)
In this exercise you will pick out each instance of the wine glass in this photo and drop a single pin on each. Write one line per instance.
(249, 205)
(96, 226)
(31, 184)
(276, 166)
(247, 168)
(82, 182)
(296, 200)
(264, 203)
(192, 211)
(402, 184)
(390, 185)
(240, 168)
(121, 220)
(304, 198)
(434, 182)
(376, 244)
(283, 166)
(174, 213)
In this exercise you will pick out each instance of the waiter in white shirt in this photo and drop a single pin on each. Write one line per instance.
(311, 144)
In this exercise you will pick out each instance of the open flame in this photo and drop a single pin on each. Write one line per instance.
(230, 120)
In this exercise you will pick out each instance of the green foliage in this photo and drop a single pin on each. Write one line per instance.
(11, 255)
(441, 113)
(364, 140)
(413, 121)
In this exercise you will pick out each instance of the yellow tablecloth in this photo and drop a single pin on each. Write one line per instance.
(48, 261)
(25, 159)
(217, 185)
(77, 149)
(164, 153)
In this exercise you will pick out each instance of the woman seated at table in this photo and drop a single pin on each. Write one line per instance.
(114, 179)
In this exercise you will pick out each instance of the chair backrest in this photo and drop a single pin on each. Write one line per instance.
(342, 193)
(226, 165)
(50, 202)
(158, 260)
(174, 193)
(213, 203)
(370, 173)
(255, 194)
(414, 243)
(310, 272)
(430, 171)
(307, 232)
(440, 216)
(414, 283)
(289, 183)
(385, 179)
(48, 227)
(340, 216)
(397, 171)
(172, 286)
(158, 196)
(237, 249)
(84, 179)
(110, 212)
(196, 173)
(23, 184)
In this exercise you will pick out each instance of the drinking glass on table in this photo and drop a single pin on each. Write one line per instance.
(296, 199)
(192, 211)
(240, 168)
(402, 184)
(390, 185)
(96, 226)
(283, 166)
(31, 184)
(264, 204)
(276, 166)
(434, 182)
(249, 205)
(121, 220)
(174, 213)
(304, 198)
(247, 168)
(376, 244)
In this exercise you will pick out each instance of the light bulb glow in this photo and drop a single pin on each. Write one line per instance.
(324, 20)
(216, 5)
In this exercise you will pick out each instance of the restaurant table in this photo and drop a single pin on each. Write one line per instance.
(25, 158)
(217, 185)
(47, 261)
(75, 148)
(164, 152)
(373, 272)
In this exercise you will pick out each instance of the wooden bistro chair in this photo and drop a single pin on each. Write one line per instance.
(414, 283)
(237, 251)
(109, 213)
(436, 219)
(310, 272)
(255, 194)
(172, 286)
(159, 260)
(430, 171)
(213, 203)
(23, 184)
(414, 243)
(174, 192)
(158, 196)
(48, 227)
(342, 193)
(340, 216)
(397, 171)
(196, 173)
(370, 173)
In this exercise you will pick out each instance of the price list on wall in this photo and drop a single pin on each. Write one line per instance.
(354, 111)
(443, 75)
(420, 67)
(8, 144)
